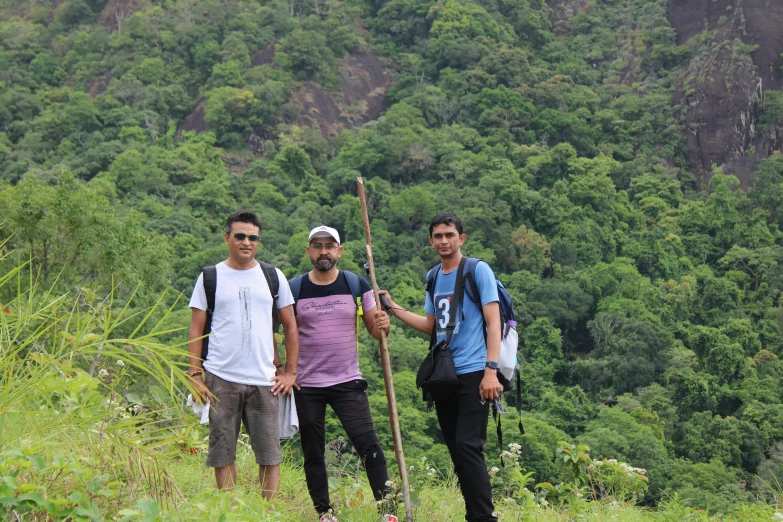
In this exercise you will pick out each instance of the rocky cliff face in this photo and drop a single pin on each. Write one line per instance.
(720, 89)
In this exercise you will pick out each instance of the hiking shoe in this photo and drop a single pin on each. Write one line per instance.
(389, 518)
(328, 517)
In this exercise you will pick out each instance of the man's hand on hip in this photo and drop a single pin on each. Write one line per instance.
(284, 383)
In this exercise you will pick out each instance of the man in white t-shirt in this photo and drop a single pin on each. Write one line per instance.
(239, 376)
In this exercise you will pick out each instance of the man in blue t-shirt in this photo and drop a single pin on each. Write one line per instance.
(463, 418)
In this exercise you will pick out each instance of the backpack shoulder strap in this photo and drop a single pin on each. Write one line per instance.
(429, 280)
(209, 280)
(471, 288)
(456, 300)
(295, 285)
(270, 274)
(355, 284)
(209, 274)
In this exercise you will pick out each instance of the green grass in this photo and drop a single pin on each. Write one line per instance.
(183, 488)
(93, 427)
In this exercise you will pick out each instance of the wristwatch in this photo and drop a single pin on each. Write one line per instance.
(492, 365)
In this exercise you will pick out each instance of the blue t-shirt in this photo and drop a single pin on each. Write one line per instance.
(467, 344)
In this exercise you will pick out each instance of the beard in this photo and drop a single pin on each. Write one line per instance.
(324, 263)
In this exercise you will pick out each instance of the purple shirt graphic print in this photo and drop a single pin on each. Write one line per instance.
(326, 315)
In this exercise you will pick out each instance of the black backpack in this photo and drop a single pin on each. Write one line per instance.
(210, 287)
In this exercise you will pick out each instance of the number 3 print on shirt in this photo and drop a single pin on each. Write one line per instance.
(443, 304)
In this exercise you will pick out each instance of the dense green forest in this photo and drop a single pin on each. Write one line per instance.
(651, 300)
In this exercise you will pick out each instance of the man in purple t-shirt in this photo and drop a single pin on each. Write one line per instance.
(328, 369)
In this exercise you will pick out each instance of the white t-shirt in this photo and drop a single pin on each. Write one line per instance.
(241, 346)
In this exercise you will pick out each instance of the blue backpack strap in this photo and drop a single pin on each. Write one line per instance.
(209, 280)
(296, 287)
(471, 289)
(355, 284)
(430, 280)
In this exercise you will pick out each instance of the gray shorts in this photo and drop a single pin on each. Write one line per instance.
(256, 407)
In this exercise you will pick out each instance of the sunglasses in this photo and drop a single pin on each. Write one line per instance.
(240, 236)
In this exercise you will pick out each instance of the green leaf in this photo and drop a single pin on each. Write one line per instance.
(39, 500)
(149, 507)
(89, 510)
(128, 512)
(11, 481)
(9, 501)
(158, 394)
(37, 461)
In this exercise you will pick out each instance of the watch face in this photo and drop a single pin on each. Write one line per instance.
(492, 364)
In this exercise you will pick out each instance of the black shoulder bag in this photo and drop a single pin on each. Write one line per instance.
(437, 376)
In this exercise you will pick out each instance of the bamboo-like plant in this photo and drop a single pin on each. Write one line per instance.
(62, 426)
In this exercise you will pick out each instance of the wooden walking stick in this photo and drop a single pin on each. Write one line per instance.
(391, 398)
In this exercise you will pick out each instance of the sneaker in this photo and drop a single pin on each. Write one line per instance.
(328, 517)
(390, 518)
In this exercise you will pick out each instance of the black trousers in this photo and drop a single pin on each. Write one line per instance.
(349, 402)
(463, 423)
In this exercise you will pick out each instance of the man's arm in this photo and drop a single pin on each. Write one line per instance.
(287, 380)
(197, 321)
(423, 324)
(376, 322)
(490, 386)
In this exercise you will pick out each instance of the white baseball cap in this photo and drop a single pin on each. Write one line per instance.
(324, 231)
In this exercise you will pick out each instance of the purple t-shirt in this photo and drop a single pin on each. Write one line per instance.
(326, 315)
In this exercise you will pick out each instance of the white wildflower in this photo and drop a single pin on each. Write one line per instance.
(493, 471)
(120, 362)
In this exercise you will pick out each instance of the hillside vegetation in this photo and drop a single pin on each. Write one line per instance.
(650, 300)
